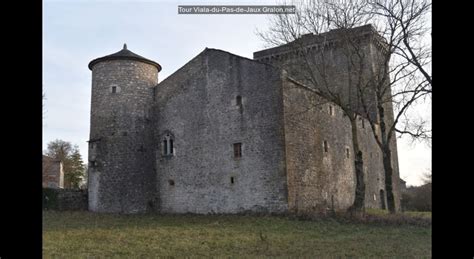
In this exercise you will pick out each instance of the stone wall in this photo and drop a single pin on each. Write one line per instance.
(121, 167)
(320, 157)
(64, 199)
(295, 155)
(198, 107)
(331, 56)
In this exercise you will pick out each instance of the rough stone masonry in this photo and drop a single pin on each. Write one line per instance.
(223, 134)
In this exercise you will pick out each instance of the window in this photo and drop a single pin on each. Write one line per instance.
(237, 150)
(114, 89)
(171, 182)
(331, 110)
(168, 147)
(325, 146)
(238, 100)
(232, 180)
(347, 152)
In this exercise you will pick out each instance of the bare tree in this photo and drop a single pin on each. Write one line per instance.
(406, 21)
(427, 177)
(370, 83)
(313, 69)
(400, 77)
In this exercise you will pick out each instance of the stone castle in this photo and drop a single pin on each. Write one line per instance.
(224, 134)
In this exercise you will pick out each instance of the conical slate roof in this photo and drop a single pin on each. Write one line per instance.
(124, 54)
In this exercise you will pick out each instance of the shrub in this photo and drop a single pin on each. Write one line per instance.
(417, 198)
(50, 199)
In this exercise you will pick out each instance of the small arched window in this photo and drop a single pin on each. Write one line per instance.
(168, 147)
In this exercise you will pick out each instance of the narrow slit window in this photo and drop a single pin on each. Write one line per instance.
(325, 145)
(232, 180)
(114, 89)
(238, 100)
(347, 152)
(168, 145)
(165, 147)
(331, 110)
(237, 150)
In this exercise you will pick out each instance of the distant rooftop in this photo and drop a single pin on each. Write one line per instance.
(124, 54)
(50, 159)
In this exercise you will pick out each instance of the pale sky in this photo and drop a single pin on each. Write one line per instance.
(76, 32)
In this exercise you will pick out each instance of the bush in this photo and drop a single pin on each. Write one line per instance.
(417, 198)
(50, 199)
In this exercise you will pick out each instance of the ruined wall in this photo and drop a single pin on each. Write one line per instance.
(121, 168)
(198, 106)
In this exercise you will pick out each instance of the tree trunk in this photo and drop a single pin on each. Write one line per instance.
(387, 165)
(359, 201)
(387, 161)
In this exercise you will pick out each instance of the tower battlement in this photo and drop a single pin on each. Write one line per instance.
(311, 40)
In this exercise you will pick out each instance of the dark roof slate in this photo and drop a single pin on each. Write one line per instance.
(124, 54)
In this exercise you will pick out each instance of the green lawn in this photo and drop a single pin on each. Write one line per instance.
(90, 235)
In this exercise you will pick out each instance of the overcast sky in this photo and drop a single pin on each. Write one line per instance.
(75, 32)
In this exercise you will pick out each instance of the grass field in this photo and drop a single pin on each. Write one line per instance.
(86, 235)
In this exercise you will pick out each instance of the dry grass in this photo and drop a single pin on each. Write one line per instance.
(85, 234)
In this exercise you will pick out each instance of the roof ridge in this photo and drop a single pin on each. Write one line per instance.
(124, 54)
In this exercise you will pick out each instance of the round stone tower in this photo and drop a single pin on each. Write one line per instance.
(121, 169)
